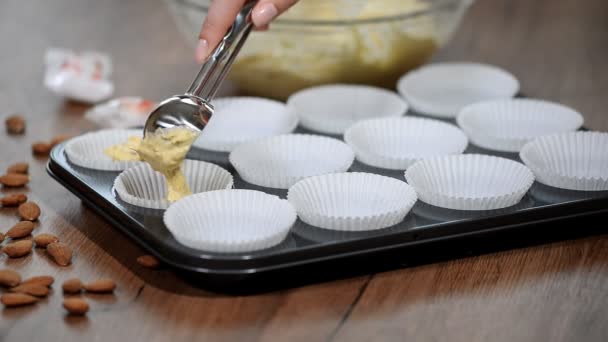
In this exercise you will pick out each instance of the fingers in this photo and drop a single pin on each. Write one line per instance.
(266, 10)
(220, 16)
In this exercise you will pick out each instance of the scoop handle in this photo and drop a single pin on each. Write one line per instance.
(216, 67)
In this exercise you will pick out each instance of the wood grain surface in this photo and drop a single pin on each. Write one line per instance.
(554, 292)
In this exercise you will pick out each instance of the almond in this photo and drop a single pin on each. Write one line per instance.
(76, 306)
(14, 180)
(13, 200)
(40, 280)
(100, 286)
(17, 299)
(58, 139)
(41, 148)
(29, 211)
(15, 124)
(20, 230)
(32, 289)
(18, 249)
(73, 285)
(9, 278)
(1, 237)
(60, 253)
(45, 239)
(22, 168)
(148, 261)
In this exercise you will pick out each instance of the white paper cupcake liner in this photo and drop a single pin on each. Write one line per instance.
(87, 150)
(281, 161)
(143, 187)
(230, 221)
(352, 201)
(331, 109)
(443, 89)
(237, 120)
(397, 143)
(507, 125)
(574, 161)
(470, 181)
(122, 112)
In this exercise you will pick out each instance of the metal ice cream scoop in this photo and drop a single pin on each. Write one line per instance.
(193, 109)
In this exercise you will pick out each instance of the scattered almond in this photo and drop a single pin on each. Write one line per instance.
(148, 261)
(100, 286)
(17, 299)
(58, 139)
(9, 278)
(40, 280)
(15, 124)
(60, 253)
(1, 237)
(29, 211)
(21, 168)
(73, 285)
(76, 306)
(41, 148)
(20, 230)
(13, 200)
(18, 249)
(32, 289)
(14, 180)
(44, 239)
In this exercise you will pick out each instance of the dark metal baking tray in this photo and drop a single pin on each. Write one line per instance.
(312, 254)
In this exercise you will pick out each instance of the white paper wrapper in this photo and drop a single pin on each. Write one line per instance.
(352, 201)
(122, 112)
(281, 161)
(397, 143)
(230, 221)
(143, 187)
(78, 76)
(574, 161)
(87, 150)
(443, 89)
(237, 120)
(470, 181)
(331, 109)
(507, 125)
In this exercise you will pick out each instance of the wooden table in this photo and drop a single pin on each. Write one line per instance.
(555, 292)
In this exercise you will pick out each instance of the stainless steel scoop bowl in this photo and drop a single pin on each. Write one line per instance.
(194, 109)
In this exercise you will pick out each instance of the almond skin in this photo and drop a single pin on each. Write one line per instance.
(32, 290)
(1, 237)
(29, 211)
(17, 299)
(76, 306)
(58, 139)
(46, 281)
(45, 239)
(148, 261)
(13, 200)
(60, 253)
(15, 124)
(18, 249)
(9, 278)
(72, 286)
(20, 230)
(14, 180)
(41, 148)
(21, 168)
(100, 286)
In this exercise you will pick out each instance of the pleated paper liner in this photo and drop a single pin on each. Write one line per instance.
(352, 201)
(507, 125)
(470, 181)
(574, 161)
(230, 221)
(443, 89)
(397, 143)
(237, 120)
(438, 214)
(331, 109)
(143, 187)
(281, 161)
(87, 150)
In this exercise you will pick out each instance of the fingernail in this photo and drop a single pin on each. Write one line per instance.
(264, 14)
(202, 50)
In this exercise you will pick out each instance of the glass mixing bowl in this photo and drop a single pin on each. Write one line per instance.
(339, 41)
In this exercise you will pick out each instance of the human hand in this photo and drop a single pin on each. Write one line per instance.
(221, 14)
